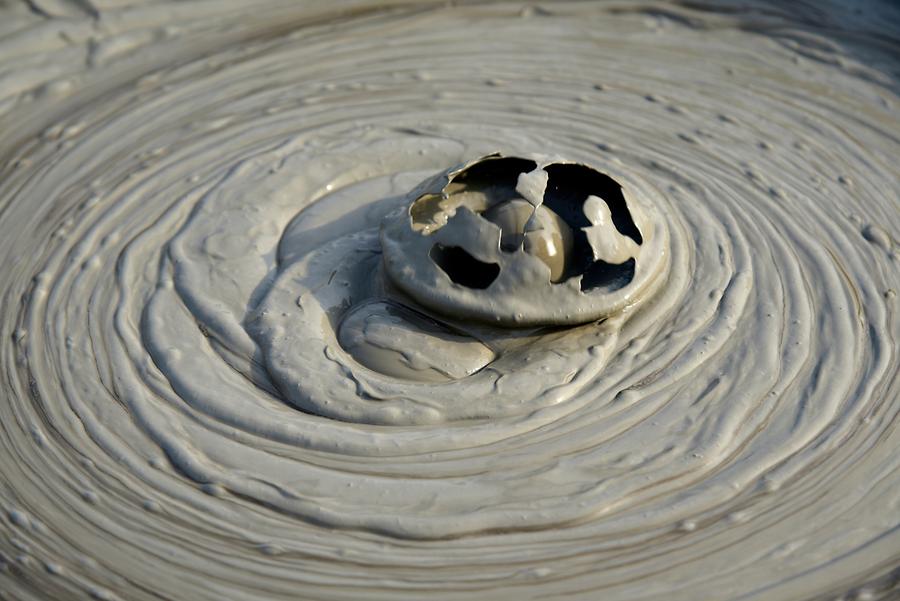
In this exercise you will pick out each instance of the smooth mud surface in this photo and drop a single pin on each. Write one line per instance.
(210, 390)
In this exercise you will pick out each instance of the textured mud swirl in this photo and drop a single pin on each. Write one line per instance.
(177, 178)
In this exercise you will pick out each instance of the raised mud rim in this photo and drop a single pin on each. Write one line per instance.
(513, 289)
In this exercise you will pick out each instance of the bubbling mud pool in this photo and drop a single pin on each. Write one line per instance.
(190, 204)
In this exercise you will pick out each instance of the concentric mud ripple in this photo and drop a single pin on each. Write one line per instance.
(189, 191)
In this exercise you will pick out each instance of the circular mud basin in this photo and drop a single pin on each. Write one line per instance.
(449, 300)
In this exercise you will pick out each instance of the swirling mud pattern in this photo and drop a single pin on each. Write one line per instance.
(400, 300)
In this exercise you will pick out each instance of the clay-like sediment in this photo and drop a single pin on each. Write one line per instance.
(452, 251)
(190, 202)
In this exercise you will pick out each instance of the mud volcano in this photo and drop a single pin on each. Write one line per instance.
(455, 300)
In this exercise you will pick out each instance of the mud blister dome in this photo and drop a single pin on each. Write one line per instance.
(520, 241)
